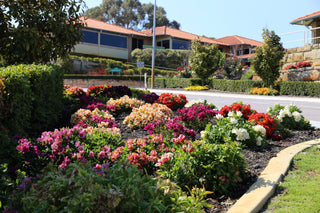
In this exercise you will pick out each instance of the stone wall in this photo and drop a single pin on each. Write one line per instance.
(85, 83)
(309, 53)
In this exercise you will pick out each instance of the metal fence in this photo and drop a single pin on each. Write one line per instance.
(300, 38)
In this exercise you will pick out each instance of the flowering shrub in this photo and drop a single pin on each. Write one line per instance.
(171, 129)
(197, 116)
(290, 117)
(125, 103)
(92, 118)
(193, 88)
(105, 92)
(217, 167)
(235, 107)
(172, 101)
(290, 67)
(74, 91)
(264, 120)
(264, 91)
(149, 98)
(221, 74)
(148, 113)
(299, 65)
(203, 102)
(235, 128)
(184, 72)
(97, 90)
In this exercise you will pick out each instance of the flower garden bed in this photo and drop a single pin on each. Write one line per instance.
(194, 145)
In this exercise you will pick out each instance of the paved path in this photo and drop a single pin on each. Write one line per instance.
(310, 106)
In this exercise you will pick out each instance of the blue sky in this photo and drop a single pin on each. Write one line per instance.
(247, 18)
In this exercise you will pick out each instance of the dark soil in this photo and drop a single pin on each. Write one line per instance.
(256, 158)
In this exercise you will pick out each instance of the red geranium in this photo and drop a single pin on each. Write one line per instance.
(264, 120)
(172, 101)
(243, 108)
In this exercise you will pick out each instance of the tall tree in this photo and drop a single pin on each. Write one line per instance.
(39, 31)
(130, 14)
(267, 58)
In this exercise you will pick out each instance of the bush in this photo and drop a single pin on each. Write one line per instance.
(34, 94)
(172, 101)
(217, 167)
(248, 74)
(235, 85)
(300, 88)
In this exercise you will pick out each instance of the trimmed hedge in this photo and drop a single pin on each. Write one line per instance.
(300, 88)
(34, 93)
(234, 85)
(115, 77)
(175, 82)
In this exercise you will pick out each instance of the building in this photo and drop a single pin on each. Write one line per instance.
(113, 41)
(311, 20)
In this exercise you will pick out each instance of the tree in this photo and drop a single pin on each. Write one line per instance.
(130, 14)
(39, 31)
(267, 58)
(205, 59)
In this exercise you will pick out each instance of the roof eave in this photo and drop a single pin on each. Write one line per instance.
(305, 21)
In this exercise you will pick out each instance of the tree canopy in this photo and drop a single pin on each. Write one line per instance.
(38, 31)
(130, 14)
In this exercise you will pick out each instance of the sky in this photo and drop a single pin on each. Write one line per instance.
(247, 18)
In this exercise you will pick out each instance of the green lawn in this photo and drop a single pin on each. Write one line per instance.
(300, 189)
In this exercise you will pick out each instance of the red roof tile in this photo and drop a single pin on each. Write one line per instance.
(235, 40)
(309, 16)
(164, 30)
(101, 25)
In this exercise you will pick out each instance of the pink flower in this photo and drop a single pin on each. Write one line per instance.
(91, 154)
(102, 154)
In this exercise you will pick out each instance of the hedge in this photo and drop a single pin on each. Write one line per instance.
(34, 93)
(234, 85)
(115, 77)
(174, 82)
(300, 88)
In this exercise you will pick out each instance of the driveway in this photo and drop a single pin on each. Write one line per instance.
(310, 106)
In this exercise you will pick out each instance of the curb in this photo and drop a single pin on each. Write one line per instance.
(259, 193)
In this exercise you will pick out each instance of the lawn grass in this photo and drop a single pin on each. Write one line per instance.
(300, 189)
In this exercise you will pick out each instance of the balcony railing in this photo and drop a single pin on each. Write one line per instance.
(301, 37)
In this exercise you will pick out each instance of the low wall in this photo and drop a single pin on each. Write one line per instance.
(302, 74)
(85, 83)
(309, 53)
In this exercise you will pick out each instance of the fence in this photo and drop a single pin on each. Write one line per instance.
(301, 37)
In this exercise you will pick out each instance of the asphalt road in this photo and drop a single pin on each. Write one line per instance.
(310, 106)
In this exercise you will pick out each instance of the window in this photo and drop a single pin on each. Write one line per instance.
(137, 43)
(246, 51)
(180, 45)
(164, 43)
(113, 40)
(239, 52)
(90, 37)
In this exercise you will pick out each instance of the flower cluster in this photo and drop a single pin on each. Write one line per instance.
(197, 116)
(299, 65)
(264, 120)
(194, 88)
(264, 91)
(164, 158)
(243, 108)
(184, 72)
(92, 118)
(96, 90)
(149, 98)
(221, 74)
(75, 91)
(241, 133)
(148, 113)
(125, 103)
(172, 101)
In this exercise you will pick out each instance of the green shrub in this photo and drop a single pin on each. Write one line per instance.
(217, 167)
(249, 74)
(235, 85)
(300, 88)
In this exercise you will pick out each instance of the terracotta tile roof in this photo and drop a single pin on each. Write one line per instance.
(101, 25)
(164, 30)
(234, 40)
(309, 16)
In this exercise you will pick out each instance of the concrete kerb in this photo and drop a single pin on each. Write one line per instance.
(259, 193)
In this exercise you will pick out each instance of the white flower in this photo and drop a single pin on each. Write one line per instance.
(219, 116)
(233, 120)
(230, 114)
(287, 111)
(297, 116)
(259, 140)
(259, 128)
(241, 133)
(203, 134)
(239, 114)
(192, 102)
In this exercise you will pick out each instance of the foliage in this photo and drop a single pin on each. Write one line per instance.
(248, 74)
(39, 32)
(267, 58)
(264, 91)
(235, 86)
(300, 88)
(33, 97)
(205, 59)
(117, 188)
(130, 14)
(220, 74)
(217, 167)
(105, 92)
(194, 88)
(184, 71)
(196, 116)
(290, 117)
(299, 65)
(172, 101)
(148, 113)
(233, 68)
(166, 58)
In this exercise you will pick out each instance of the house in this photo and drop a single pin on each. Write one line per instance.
(113, 41)
(312, 20)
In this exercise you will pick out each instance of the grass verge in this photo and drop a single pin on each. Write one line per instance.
(300, 189)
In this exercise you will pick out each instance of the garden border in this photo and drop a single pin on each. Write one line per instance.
(259, 193)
